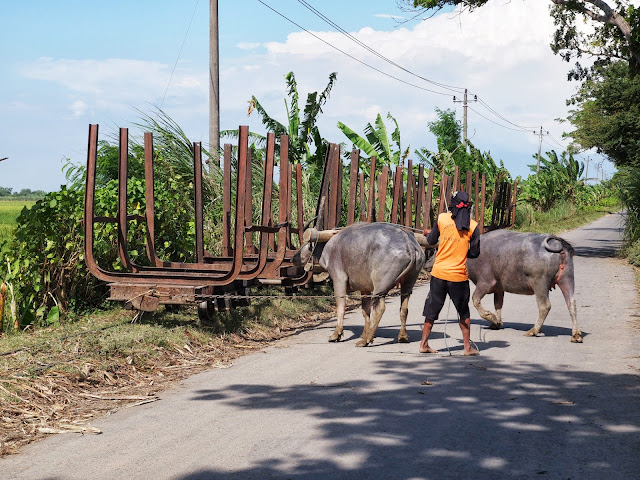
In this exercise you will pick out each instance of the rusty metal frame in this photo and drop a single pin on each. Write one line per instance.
(244, 263)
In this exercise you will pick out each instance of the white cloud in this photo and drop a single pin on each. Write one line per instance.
(79, 108)
(248, 45)
(388, 15)
(116, 83)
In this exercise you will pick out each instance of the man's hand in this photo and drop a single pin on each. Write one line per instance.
(426, 231)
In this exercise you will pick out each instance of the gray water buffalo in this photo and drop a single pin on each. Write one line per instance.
(525, 264)
(370, 258)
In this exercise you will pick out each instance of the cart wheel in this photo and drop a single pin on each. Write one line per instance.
(206, 310)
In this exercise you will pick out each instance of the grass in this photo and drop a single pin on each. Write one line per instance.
(561, 218)
(9, 211)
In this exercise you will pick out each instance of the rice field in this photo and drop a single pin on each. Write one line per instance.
(9, 211)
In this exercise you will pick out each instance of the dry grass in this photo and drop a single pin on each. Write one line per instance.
(58, 380)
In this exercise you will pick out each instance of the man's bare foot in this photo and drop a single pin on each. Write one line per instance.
(428, 349)
(471, 352)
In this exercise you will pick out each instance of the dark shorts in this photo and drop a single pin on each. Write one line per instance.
(458, 292)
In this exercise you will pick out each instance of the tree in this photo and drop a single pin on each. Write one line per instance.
(558, 179)
(376, 141)
(615, 34)
(607, 114)
(452, 152)
(302, 132)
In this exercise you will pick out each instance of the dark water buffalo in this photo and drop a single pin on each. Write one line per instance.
(526, 264)
(370, 258)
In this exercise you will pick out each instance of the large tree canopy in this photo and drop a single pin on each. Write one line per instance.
(607, 116)
(615, 34)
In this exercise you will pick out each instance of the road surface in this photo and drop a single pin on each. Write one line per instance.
(307, 409)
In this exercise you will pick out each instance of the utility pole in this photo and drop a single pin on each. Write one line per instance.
(214, 83)
(586, 175)
(540, 146)
(464, 102)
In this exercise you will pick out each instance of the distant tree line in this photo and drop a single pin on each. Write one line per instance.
(7, 193)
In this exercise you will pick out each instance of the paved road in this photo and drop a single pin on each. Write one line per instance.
(307, 409)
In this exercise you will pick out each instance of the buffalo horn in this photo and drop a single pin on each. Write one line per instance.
(313, 235)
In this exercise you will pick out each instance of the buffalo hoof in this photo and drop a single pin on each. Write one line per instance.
(577, 338)
(403, 338)
(362, 343)
(335, 337)
(531, 333)
(495, 326)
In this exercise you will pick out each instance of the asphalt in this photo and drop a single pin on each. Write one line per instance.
(526, 407)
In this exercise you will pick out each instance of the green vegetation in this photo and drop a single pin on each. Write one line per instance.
(562, 217)
(9, 211)
(24, 194)
(376, 141)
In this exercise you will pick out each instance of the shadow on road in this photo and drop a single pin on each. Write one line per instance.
(527, 422)
(599, 249)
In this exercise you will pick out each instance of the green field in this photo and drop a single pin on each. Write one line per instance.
(9, 211)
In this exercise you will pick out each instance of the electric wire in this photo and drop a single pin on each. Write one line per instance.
(373, 51)
(485, 105)
(179, 53)
(556, 141)
(494, 122)
(514, 126)
(349, 55)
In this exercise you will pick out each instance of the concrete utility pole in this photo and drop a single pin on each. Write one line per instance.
(214, 83)
(464, 115)
(586, 174)
(540, 146)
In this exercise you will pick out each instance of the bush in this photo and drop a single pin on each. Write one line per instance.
(44, 262)
(632, 252)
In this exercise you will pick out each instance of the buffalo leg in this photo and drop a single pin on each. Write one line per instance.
(478, 293)
(566, 286)
(366, 312)
(544, 305)
(377, 309)
(340, 291)
(404, 311)
(498, 301)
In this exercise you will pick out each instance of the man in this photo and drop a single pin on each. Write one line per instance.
(459, 239)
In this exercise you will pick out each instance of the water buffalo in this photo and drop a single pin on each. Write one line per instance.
(525, 264)
(370, 258)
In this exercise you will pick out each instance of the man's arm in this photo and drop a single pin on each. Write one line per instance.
(434, 235)
(474, 244)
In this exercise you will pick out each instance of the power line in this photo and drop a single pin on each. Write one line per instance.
(496, 123)
(373, 51)
(179, 53)
(557, 142)
(326, 19)
(349, 55)
(485, 105)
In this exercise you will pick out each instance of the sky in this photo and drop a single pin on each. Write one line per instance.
(67, 64)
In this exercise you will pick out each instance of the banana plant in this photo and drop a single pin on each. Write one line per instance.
(306, 145)
(376, 141)
(558, 179)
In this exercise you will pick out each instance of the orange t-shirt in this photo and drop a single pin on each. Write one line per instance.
(451, 258)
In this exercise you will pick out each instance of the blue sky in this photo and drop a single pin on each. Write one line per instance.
(67, 64)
